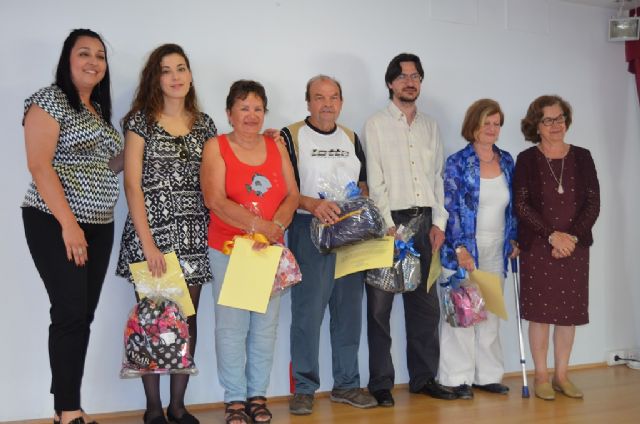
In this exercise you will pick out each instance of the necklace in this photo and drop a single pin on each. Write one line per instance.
(560, 189)
(493, 156)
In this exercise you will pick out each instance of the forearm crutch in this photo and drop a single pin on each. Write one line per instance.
(516, 291)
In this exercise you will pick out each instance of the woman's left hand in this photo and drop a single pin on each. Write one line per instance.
(515, 252)
(272, 231)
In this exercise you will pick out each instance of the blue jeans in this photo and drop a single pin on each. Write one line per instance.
(244, 341)
(309, 299)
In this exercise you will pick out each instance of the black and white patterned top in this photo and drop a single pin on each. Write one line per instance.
(176, 213)
(85, 145)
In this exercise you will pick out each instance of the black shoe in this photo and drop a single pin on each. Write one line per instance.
(186, 418)
(498, 388)
(435, 390)
(384, 398)
(159, 419)
(463, 391)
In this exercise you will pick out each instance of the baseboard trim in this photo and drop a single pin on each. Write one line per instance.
(285, 398)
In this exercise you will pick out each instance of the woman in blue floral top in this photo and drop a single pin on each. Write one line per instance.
(480, 233)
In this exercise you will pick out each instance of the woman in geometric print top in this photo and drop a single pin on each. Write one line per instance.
(68, 209)
(165, 135)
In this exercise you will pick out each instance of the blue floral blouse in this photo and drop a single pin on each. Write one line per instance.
(461, 198)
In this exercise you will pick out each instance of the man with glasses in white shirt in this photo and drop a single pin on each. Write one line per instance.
(404, 171)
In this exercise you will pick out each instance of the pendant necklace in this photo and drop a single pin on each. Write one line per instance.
(560, 189)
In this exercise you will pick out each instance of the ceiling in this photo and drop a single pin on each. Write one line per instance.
(610, 4)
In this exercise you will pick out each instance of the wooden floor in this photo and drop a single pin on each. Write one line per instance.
(612, 396)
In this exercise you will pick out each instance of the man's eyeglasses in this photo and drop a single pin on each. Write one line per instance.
(547, 122)
(184, 149)
(405, 77)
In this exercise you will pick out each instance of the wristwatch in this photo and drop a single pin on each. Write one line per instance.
(459, 249)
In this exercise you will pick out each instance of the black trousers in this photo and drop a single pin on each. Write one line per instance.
(421, 315)
(73, 293)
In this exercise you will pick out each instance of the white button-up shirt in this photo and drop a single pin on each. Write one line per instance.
(405, 163)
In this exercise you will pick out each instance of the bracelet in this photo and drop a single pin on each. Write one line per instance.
(279, 224)
(459, 249)
(253, 225)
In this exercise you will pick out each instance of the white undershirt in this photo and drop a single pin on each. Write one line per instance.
(494, 199)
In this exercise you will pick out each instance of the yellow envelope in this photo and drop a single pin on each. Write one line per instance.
(370, 254)
(172, 279)
(435, 269)
(491, 289)
(249, 278)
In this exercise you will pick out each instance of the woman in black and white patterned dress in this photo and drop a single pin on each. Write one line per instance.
(164, 137)
(72, 151)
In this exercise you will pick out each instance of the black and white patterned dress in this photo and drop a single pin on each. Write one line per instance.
(86, 144)
(176, 213)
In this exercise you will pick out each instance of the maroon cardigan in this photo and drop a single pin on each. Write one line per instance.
(527, 189)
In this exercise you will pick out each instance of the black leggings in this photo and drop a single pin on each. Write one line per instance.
(73, 293)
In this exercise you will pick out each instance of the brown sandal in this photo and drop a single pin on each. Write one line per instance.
(255, 410)
(236, 414)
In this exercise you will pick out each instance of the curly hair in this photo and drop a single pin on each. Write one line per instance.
(475, 116)
(529, 124)
(148, 97)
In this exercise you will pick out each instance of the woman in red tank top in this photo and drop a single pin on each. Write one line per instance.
(249, 185)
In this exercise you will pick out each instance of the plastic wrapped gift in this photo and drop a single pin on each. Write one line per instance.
(359, 220)
(405, 274)
(288, 273)
(156, 335)
(156, 340)
(462, 302)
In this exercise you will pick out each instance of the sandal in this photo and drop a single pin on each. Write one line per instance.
(255, 410)
(236, 414)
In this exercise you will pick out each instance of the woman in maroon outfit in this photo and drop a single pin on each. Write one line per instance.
(557, 201)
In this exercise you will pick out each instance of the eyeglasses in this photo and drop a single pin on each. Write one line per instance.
(406, 77)
(547, 122)
(184, 149)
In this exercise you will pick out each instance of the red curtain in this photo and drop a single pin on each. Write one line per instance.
(632, 52)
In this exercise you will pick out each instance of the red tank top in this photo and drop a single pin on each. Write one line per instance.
(263, 186)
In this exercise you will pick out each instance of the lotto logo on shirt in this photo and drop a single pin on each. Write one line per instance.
(331, 153)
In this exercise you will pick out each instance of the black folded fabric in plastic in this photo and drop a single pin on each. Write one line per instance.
(359, 220)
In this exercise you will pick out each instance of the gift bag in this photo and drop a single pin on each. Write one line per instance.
(156, 334)
(359, 219)
(405, 274)
(462, 302)
(288, 273)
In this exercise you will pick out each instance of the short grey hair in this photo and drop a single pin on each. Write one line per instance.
(321, 77)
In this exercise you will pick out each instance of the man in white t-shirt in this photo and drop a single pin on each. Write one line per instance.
(322, 152)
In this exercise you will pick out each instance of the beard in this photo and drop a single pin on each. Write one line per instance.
(408, 96)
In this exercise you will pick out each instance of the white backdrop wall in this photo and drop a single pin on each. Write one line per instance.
(510, 50)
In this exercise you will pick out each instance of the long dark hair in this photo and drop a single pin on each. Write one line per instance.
(101, 93)
(148, 97)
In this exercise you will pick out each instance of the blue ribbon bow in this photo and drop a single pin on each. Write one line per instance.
(403, 247)
(456, 279)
